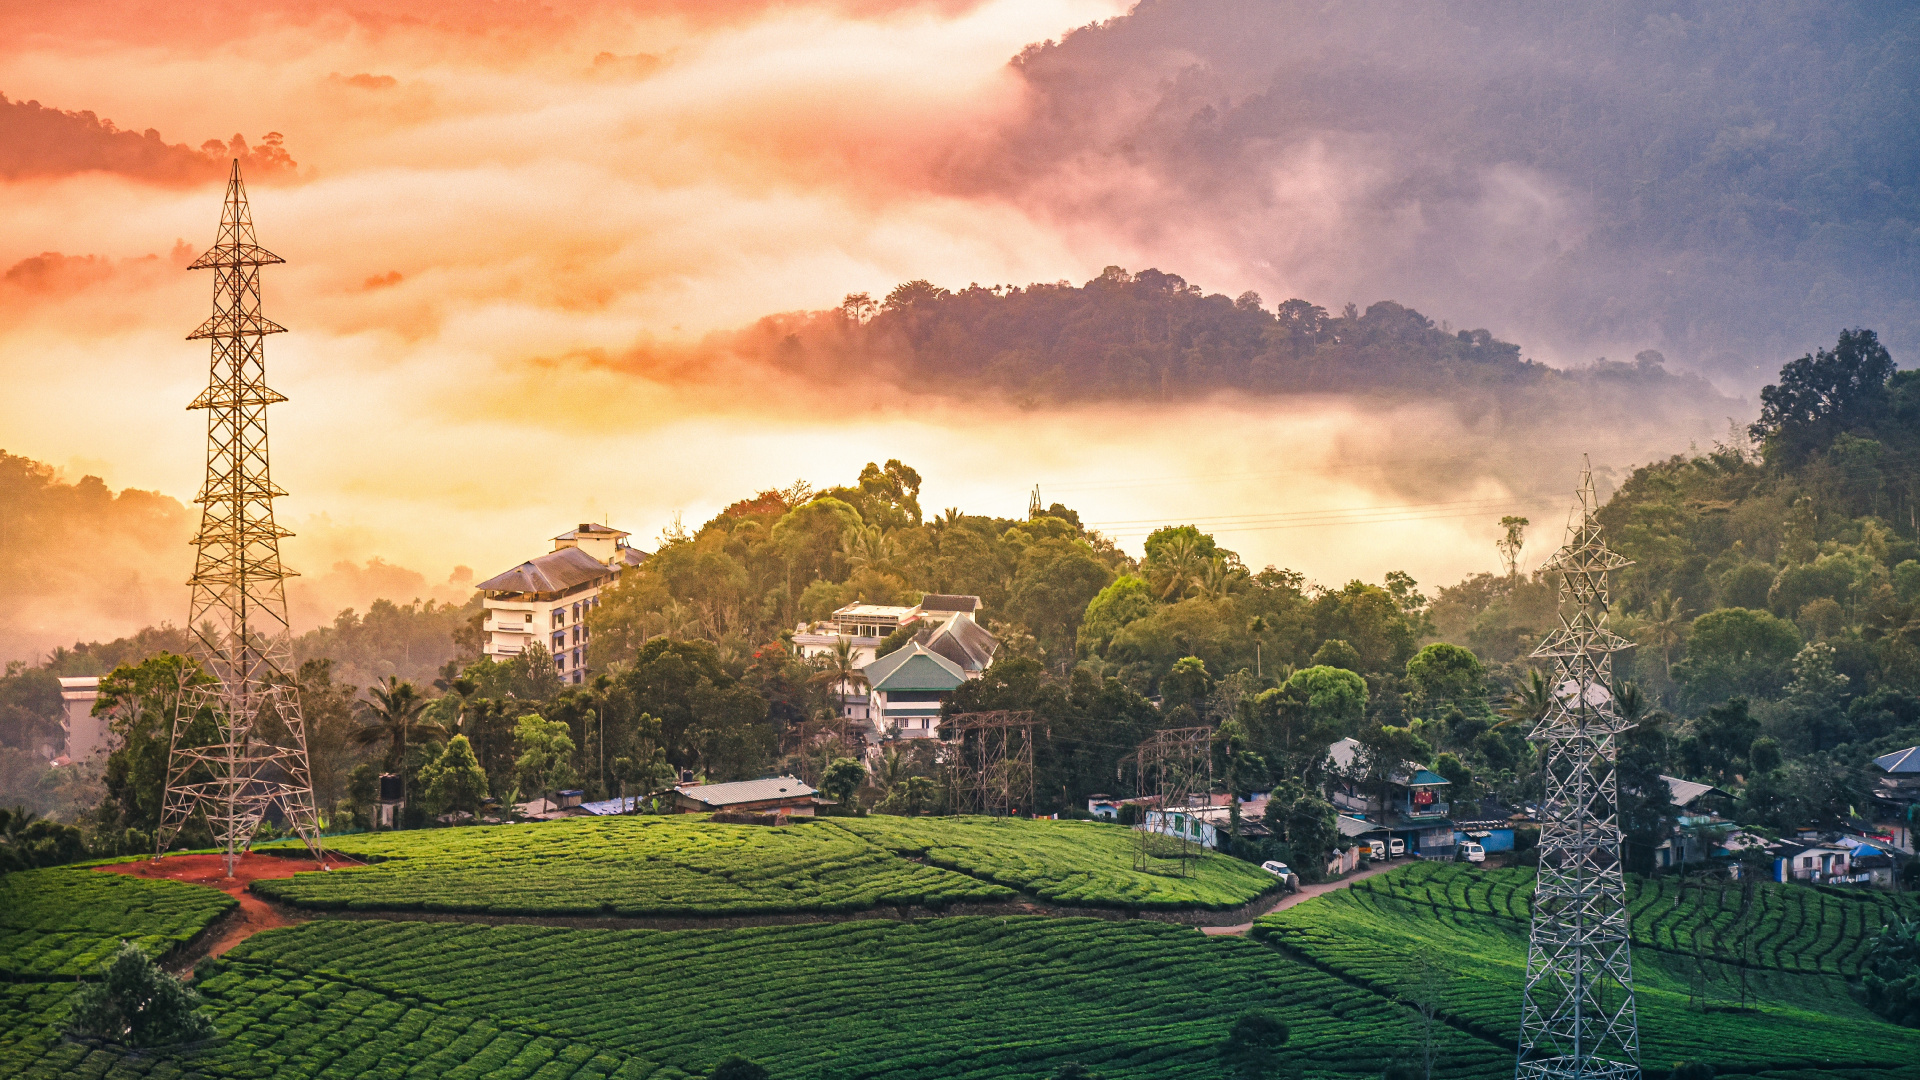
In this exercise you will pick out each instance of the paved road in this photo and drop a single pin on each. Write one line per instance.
(1308, 892)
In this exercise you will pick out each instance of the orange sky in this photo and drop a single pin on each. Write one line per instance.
(481, 207)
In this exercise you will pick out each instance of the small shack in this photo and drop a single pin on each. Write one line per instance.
(782, 794)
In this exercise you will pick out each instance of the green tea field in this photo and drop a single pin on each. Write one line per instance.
(687, 866)
(56, 924)
(955, 997)
(1065, 862)
(1471, 926)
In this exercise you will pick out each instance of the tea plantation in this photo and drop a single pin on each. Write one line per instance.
(1789, 927)
(954, 997)
(688, 866)
(63, 922)
(1067, 862)
(1799, 1016)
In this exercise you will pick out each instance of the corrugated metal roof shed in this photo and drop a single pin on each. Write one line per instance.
(746, 791)
(556, 571)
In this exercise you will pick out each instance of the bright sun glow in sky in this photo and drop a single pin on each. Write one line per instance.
(483, 213)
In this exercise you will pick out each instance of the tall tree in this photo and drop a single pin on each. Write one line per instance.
(392, 715)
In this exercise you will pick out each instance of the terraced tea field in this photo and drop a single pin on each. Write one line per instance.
(1371, 934)
(1789, 927)
(633, 866)
(688, 866)
(1066, 862)
(943, 998)
(55, 924)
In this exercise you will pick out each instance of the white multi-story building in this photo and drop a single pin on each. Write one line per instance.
(546, 599)
(87, 734)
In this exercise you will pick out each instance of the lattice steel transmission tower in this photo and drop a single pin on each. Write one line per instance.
(990, 768)
(1170, 767)
(1577, 1015)
(258, 754)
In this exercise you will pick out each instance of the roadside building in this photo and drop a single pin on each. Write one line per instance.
(1896, 796)
(546, 599)
(775, 794)
(1411, 805)
(1699, 831)
(1816, 863)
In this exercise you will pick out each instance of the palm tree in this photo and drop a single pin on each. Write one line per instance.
(840, 671)
(392, 713)
(1665, 618)
(1257, 627)
(1529, 703)
(1178, 567)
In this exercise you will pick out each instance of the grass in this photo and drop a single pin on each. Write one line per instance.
(966, 998)
(1067, 862)
(64, 922)
(1371, 934)
(631, 866)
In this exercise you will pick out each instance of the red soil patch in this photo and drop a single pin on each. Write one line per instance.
(253, 914)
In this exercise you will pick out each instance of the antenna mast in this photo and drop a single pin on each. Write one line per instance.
(238, 615)
(1577, 1017)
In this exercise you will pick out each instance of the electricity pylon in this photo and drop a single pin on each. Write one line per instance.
(1577, 1016)
(258, 754)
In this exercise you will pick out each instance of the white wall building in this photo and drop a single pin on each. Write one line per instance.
(546, 599)
(87, 734)
(945, 625)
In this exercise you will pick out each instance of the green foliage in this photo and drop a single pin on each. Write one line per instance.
(1823, 395)
(1335, 653)
(1737, 651)
(455, 781)
(136, 1004)
(841, 779)
(1448, 675)
(1124, 600)
(646, 865)
(143, 699)
(1892, 976)
(1064, 862)
(545, 759)
(67, 922)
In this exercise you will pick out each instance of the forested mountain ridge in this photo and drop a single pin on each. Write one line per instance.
(1152, 336)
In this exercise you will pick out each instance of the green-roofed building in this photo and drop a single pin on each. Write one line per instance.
(907, 687)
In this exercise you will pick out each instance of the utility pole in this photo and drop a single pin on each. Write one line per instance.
(238, 610)
(1577, 1017)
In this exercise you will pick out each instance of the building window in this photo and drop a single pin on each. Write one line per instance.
(529, 616)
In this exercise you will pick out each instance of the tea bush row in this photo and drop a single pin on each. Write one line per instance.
(65, 921)
(633, 866)
(1067, 862)
(1789, 927)
(1686, 1009)
(965, 997)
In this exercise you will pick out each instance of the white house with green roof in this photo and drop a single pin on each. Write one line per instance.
(906, 689)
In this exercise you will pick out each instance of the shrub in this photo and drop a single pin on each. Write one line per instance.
(1253, 1043)
(137, 1004)
(738, 1068)
(1892, 978)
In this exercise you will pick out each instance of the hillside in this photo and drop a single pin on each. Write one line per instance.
(1154, 337)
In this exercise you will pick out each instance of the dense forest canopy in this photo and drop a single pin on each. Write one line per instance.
(1726, 182)
(1153, 337)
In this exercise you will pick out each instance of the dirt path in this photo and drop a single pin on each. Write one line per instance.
(252, 916)
(1308, 892)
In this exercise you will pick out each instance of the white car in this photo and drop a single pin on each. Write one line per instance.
(1280, 870)
(1396, 848)
(1474, 852)
(1376, 849)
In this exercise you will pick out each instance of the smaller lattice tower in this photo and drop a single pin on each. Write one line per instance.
(256, 757)
(1577, 1017)
(1170, 768)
